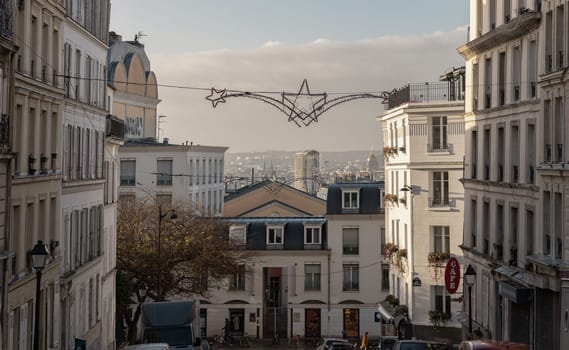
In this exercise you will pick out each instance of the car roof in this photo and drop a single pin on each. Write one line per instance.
(149, 346)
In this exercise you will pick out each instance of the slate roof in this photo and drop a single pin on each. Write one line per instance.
(369, 195)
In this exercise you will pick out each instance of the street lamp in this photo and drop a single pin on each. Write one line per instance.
(469, 278)
(142, 290)
(39, 258)
(161, 216)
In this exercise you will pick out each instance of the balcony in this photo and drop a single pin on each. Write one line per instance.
(4, 133)
(114, 127)
(517, 27)
(6, 19)
(426, 92)
(448, 148)
(438, 202)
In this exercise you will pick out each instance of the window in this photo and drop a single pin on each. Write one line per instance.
(385, 277)
(164, 199)
(237, 281)
(237, 233)
(351, 277)
(312, 277)
(312, 235)
(275, 235)
(441, 239)
(350, 240)
(441, 300)
(350, 199)
(164, 175)
(439, 134)
(440, 189)
(128, 172)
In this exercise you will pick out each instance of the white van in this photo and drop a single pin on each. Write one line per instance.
(150, 346)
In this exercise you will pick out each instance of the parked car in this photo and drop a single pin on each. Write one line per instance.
(419, 345)
(386, 342)
(341, 346)
(326, 342)
(149, 346)
(491, 345)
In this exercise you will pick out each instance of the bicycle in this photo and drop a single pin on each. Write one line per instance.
(245, 341)
(276, 339)
(219, 339)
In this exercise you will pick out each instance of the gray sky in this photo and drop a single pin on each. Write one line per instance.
(265, 45)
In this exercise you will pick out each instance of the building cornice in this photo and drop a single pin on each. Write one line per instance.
(514, 29)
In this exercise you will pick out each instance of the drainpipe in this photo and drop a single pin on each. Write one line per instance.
(328, 323)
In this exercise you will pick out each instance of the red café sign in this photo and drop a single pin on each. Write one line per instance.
(452, 275)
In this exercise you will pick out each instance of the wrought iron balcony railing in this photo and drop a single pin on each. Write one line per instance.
(6, 19)
(426, 92)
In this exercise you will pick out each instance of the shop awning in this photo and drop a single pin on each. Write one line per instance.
(386, 315)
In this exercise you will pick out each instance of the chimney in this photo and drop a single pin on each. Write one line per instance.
(165, 140)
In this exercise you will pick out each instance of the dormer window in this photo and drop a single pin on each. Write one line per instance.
(350, 199)
(312, 234)
(275, 235)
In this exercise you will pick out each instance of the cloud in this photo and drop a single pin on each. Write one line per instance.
(371, 64)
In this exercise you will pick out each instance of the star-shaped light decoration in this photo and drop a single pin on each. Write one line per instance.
(216, 96)
(304, 105)
(302, 108)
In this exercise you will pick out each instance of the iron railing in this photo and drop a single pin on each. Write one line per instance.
(4, 132)
(6, 18)
(114, 127)
(426, 92)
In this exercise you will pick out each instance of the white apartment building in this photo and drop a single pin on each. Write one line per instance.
(85, 36)
(423, 133)
(514, 231)
(173, 174)
(308, 274)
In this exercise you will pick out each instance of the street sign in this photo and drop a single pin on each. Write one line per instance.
(452, 275)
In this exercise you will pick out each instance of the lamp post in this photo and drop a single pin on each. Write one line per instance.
(39, 258)
(161, 216)
(469, 278)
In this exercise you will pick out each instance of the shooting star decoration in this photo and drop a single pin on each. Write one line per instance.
(302, 108)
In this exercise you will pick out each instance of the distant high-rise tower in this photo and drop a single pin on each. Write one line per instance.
(307, 171)
(372, 165)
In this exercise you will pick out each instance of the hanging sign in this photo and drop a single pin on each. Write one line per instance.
(452, 275)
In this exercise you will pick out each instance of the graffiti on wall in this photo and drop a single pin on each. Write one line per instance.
(133, 127)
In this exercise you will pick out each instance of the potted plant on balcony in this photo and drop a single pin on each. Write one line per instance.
(435, 261)
(390, 198)
(389, 250)
(389, 151)
(398, 261)
(438, 318)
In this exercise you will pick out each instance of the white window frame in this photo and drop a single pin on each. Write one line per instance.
(440, 128)
(276, 228)
(309, 230)
(348, 268)
(352, 192)
(313, 279)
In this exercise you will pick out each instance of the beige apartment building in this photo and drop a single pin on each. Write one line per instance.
(515, 231)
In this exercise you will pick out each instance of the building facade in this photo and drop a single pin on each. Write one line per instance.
(35, 193)
(174, 174)
(302, 278)
(514, 231)
(7, 52)
(83, 242)
(423, 132)
(307, 171)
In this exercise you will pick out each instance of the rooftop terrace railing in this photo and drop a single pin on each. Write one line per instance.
(426, 92)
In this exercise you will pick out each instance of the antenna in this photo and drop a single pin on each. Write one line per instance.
(138, 36)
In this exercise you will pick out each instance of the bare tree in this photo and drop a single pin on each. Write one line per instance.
(181, 257)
